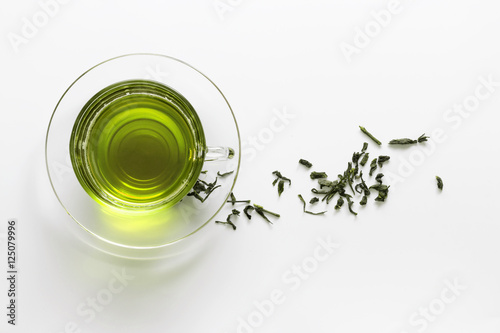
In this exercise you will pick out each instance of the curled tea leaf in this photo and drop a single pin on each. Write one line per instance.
(228, 219)
(224, 174)
(373, 166)
(304, 207)
(439, 182)
(349, 204)
(382, 159)
(248, 209)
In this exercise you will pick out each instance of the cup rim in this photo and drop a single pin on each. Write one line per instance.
(192, 232)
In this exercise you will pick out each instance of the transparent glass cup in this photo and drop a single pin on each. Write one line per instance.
(161, 229)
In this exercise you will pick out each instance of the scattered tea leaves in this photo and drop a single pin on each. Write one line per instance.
(370, 135)
(364, 200)
(378, 178)
(439, 182)
(305, 163)
(313, 200)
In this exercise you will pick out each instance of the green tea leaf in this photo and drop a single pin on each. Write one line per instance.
(382, 159)
(373, 166)
(248, 209)
(365, 147)
(365, 158)
(281, 186)
(370, 135)
(339, 204)
(439, 182)
(224, 174)
(317, 175)
(304, 207)
(305, 163)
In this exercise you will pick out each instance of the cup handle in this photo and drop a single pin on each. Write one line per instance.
(219, 153)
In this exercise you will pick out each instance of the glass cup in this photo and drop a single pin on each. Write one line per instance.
(163, 223)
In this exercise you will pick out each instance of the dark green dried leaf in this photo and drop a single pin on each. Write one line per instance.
(228, 219)
(224, 174)
(233, 200)
(382, 159)
(305, 163)
(365, 147)
(261, 211)
(439, 182)
(350, 203)
(327, 183)
(339, 204)
(404, 141)
(248, 209)
(313, 200)
(281, 186)
(280, 176)
(422, 138)
(373, 166)
(317, 175)
(365, 158)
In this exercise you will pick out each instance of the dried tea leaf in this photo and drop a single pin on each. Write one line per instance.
(370, 135)
(305, 163)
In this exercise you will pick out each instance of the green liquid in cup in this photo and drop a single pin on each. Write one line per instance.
(137, 144)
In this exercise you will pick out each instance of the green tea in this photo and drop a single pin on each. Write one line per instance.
(137, 144)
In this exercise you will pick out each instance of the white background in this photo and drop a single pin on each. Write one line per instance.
(394, 259)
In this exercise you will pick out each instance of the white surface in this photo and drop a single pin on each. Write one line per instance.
(393, 259)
